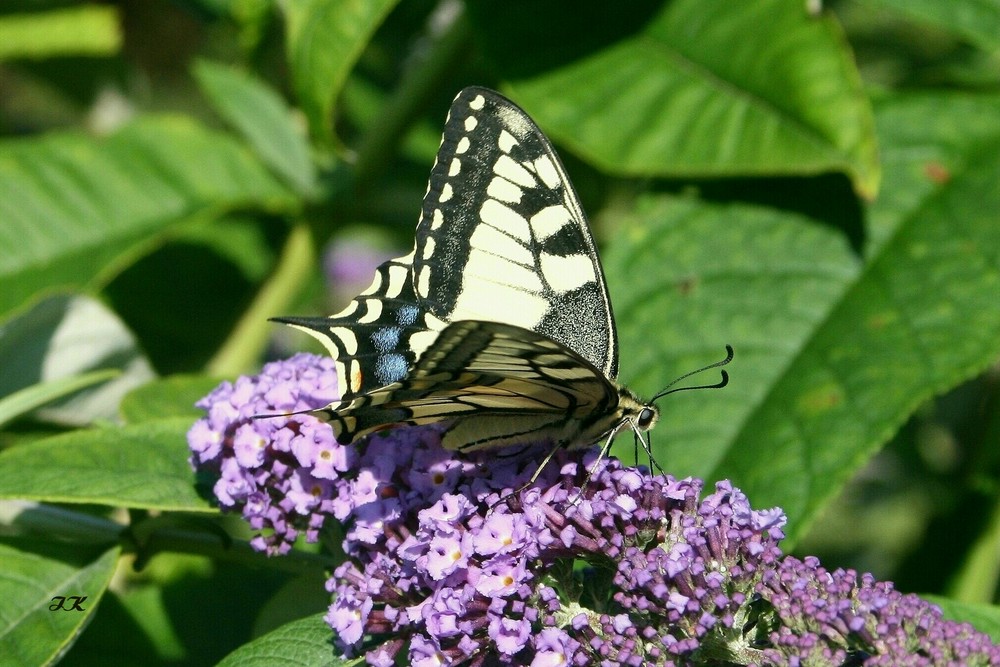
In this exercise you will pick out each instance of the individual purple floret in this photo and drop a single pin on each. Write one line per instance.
(453, 561)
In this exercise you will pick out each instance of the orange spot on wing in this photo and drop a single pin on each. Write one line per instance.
(356, 377)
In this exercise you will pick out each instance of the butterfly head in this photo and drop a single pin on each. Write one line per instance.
(640, 415)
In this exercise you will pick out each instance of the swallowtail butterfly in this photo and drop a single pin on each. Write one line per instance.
(499, 321)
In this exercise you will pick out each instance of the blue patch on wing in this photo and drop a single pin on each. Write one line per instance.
(390, 368)
(407, 315)
(386, 339)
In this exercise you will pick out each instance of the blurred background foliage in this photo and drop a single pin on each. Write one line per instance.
(813, 183)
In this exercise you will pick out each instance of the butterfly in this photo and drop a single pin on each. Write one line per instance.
(499, 321)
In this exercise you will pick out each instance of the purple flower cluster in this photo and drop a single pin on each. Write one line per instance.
(453, 561)
(433, 564)
(279, 471)
(823, 617)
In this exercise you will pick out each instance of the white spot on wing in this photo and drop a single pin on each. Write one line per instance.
(428, 247)
(398, 275)
(354, 376)
(491, 240)
(424, 281)
(482, 298)
(342, 386)
(346, 338)
(462, 146)
(470, 123)
(438, 219)
(514, 171)
(326, 339)
(373, 310)
(454, 167)
(477, 102)
(446, 193)
(504, 218)
(506, 141)
(351, 307)
(566, 273)
(420, 341)
(504, 190)
(547, 171)
(374, 288)
(550, 220)
(484, 269)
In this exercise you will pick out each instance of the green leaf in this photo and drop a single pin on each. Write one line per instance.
(701, 276)
(260, 114)
(72, 205)
(304, 642)
(90, 30)
(34, 573)
(140, 466)
(31, 398)
(173, 396)
(976, 20)
(48, 348)
(985, 617)
(325, 39)
(833, 351)
(699, 89)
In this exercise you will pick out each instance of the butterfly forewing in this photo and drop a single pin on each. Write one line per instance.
(502, 236)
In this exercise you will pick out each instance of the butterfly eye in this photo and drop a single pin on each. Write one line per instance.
(645, 420)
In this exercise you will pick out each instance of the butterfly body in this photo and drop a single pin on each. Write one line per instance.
(499, 322)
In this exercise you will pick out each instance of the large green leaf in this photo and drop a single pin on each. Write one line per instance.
(36, 631)
(61, 337)
(24, 401)
(260, 114)
(689, 277)
(699, 89)
(172, 396)
(143, 466)
(71, 205)
(325, 39)
(833, 350)
(977, 20)
(304, 642)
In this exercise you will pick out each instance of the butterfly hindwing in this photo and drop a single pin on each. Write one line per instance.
(502, 236)
(497, 384)
(376, 339)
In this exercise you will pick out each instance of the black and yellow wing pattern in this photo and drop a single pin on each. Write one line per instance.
(499, 321)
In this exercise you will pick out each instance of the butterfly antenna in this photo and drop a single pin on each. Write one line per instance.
(647, 441)
(719, 385)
